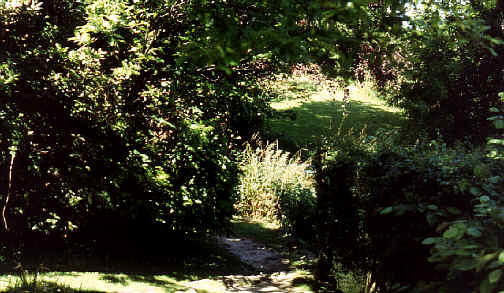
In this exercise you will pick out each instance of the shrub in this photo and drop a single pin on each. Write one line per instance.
(105, 124)
(402, 191)
(469, 248)
(382, 207)
(338, 220)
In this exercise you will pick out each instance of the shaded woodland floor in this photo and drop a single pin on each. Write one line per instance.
(219, 264)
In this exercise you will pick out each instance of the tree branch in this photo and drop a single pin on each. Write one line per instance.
(13, 155)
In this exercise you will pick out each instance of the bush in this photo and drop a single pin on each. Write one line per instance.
(108, 120)
(277, 186)
(382, 207)
(130, 108)
(416, 182)
(469, 248)
(338, 219)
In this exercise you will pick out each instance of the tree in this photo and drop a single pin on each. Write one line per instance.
(447, 74)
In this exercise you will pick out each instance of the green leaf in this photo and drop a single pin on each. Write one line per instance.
(455, 231)
(386, 210)
(484, 198)
(499, 124)
(447, 252)
(492, 51)
(429, 241)
(501, 257)
(432, 219)
(496, 141)
(463, 252)
(465, 264)
(435, 258)
(471, 246)
(473, 231)
(482, 261)
(494, 276)
(475, 190)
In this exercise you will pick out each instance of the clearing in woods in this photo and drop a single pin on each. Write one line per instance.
(308, 106)
(256, 257)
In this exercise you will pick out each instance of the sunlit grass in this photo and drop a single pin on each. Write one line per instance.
(294, 92)
(262, 231)
(99, 282)
(308, 108)
(73, 282)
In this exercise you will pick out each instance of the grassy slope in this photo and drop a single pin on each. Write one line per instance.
(306, 110)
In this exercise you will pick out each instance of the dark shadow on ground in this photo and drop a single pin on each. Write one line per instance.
(116, 279)
(299, 281)
(316, 119)
(195, 260)
(202, 259)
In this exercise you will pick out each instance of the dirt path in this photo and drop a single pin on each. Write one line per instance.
(254, 254)
(271, 272)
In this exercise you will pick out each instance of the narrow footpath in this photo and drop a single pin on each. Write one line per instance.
(269, 271)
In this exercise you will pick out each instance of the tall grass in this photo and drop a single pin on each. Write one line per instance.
(268, 175)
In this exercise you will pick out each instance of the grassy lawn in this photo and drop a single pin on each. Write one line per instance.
(306, 110)
(76, 281)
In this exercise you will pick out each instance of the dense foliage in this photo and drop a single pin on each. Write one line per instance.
(106, 129)
(121, 120)
(445, 67)
(385, 206)
(118, 115)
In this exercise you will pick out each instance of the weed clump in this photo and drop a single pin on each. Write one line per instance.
(276, 186)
